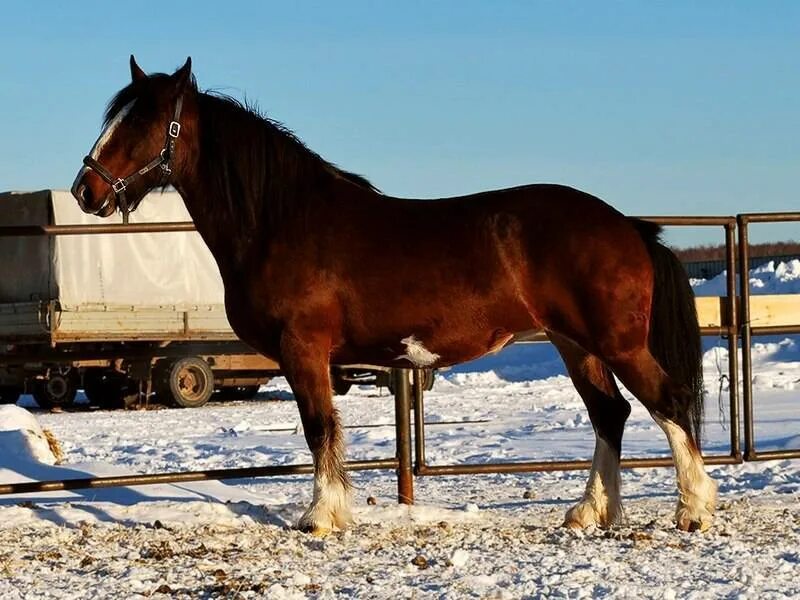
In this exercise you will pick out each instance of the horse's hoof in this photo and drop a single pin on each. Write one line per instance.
(691, 525)
(320, 532)
(584, 515)
(573, 524)
(315, 530)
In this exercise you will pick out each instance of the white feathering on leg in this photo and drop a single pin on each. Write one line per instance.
(601, 503)
(330, 506)
(697, 491)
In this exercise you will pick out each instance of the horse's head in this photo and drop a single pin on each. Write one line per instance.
(141, 143)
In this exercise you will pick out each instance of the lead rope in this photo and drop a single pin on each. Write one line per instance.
(722, 378)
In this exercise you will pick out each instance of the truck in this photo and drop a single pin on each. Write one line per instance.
(124, 317)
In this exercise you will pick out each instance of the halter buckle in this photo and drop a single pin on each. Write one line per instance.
(174, 129)
(119, 186)
(165, 162)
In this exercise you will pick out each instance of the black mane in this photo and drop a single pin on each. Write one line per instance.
(255, 163)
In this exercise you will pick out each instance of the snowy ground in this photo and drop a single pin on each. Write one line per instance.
(492, 536)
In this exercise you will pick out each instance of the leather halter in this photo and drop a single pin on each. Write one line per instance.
(120, 184)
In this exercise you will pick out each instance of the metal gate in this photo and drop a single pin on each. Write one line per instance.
(736, 323)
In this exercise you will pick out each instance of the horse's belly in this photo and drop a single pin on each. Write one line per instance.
(450, 338)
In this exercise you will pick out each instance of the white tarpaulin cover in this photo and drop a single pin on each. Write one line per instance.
(113, 270)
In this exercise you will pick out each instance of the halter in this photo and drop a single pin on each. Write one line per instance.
(120, 184)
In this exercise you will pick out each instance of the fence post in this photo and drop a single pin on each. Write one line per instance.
(733, 337)
(744, 319)
(419, 423)
(402, 407)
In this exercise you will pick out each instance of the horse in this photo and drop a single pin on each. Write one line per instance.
(321, 268)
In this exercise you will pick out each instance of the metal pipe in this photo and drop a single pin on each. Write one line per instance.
(714, 331)
(771, 217)
(165, 227)
(182, 477)
(560, 465)
(774, 330)
(744, 318)
(40, 230)
(698, 220)
(379, 425)
(776, 454)
(419, 424)
(402, 407)
(733, 337)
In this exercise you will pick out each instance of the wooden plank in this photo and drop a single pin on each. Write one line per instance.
(775, 310)
(711, 311)
(23, 321)
(26, 321)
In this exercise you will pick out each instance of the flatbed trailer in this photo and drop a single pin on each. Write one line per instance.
(121, 316)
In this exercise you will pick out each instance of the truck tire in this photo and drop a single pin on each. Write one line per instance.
(187, 382)
(238, 392)
(9, 394)
(428, 378)
(56, 391)
(109, 389)
(340, 385)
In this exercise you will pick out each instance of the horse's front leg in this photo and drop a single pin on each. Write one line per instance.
(305, 363)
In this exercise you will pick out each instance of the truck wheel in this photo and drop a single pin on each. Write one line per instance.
(57, 391)
(188, 382)
(9, 394)
(238, 392)
(428, 378)
(340, 385)
(108, 389)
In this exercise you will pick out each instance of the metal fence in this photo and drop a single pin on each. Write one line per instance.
(736, 321)
(748, 331)
(727, 330)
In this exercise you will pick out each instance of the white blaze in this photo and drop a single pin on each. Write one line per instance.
(109, 131)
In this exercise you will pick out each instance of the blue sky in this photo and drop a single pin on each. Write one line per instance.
(658, 108)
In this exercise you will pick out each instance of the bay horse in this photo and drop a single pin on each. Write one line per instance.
(321, 268)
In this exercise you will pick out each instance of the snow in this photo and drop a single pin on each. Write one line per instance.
(488, 536)
(769, 278)
(22, 440)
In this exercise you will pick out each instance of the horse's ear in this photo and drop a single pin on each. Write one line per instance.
(184, 74)
(136, 71)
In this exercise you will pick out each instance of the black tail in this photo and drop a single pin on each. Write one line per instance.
(674, 329)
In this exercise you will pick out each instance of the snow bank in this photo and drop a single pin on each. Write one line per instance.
(769, 278)
(26, 454)
(22, 439)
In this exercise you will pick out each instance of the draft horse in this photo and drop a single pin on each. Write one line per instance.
(321, 268)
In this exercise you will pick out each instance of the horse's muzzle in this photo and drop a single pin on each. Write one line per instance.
(86, 199)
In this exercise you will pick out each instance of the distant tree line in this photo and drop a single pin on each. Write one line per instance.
(711, 252)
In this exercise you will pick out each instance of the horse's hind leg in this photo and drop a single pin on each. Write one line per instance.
(304, 360)
(601, 503)
(644, 377)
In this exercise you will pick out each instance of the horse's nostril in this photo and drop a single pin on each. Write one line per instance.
(85, 193)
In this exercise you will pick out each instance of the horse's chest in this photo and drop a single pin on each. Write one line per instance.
(253, 321)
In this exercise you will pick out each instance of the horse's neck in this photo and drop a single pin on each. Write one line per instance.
(225, 237)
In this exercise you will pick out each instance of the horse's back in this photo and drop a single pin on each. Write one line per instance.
(465, 273)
